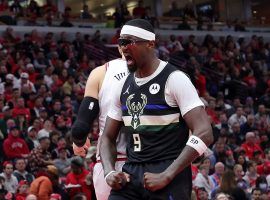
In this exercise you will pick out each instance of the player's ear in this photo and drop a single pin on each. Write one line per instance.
(151, 44)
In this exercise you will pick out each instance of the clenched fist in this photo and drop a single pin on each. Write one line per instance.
(117, 180)
(81, 151)
(154, 182)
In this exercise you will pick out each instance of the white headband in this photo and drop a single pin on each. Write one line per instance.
(138, 32)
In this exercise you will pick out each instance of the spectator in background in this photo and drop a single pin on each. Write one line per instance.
(238, 116)
(219, 170)
(80, 196)
(68, 85)
(139, 11)
(20, 109)
(262, 118)
(36, 106)
(31, 72)
(203, 179)
(78, 44)
(66, 18)
(31, 138)
(14, 146)
(17, 9)
(9, 37)
(33, 9)
(174, 10)
(40, 62)
(261, 183)
(200, 82)
(250, 145)
(248, 126)
(251, 174)
(4, 5)
(20, 173)
(97, 37)
(50, 7)
(78, 175)
(124, 12)
(62, 163)
(256, 194)
(39, 157)
(238, 173)
(43, 186)
(23, 190)
(24, 81)
(202, 194)
(85, 14)
(11, 182)
(229, 186)
(47, 129)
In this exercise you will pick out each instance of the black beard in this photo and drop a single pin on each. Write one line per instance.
(132, 68)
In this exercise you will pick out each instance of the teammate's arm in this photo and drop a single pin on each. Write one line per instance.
(107, 149)
(108, 154)
(89, 108)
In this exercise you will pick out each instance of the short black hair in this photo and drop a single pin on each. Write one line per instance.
(79, 196)
(141, 23)
(256, 189)
(77, 160)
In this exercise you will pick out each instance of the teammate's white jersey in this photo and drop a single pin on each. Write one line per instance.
(116, 70)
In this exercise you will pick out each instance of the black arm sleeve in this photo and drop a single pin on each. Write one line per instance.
(88, 111)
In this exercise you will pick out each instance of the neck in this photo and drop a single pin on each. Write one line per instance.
(147, 68)
(8, 175)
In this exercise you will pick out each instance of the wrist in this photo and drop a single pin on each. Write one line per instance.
(108, 174)
(79, 142)
(168, 176)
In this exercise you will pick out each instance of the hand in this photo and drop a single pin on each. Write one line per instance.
(81, 151)
(154, 182)
(117, 180)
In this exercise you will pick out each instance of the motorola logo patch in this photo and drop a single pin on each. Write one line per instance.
(154, 88)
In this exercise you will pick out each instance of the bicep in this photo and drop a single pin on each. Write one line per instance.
(112, 128)
(197, 119)
(183, 92)
(199, 123)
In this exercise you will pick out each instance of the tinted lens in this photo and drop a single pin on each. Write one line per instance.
(124, 42)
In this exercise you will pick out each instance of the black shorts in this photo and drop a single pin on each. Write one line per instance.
(179, 189)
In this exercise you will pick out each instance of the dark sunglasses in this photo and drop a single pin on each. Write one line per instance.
(126, 42)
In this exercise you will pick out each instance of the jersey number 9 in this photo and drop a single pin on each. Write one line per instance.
(137, 142)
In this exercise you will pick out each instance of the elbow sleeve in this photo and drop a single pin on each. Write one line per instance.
(88, 112)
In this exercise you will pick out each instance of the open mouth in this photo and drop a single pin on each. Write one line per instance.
(129, 60)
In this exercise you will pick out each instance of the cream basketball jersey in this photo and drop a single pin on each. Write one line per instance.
(116, 71)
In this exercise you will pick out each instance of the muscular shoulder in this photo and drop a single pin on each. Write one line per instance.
(94, 81)
(98, 73)
(178, 77)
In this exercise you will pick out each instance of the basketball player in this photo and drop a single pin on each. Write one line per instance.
(97, 100)
(158, 105)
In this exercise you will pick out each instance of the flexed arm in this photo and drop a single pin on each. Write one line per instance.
(89, 108)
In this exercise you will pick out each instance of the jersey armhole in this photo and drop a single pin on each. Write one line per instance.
(107, 66)
(166, 86)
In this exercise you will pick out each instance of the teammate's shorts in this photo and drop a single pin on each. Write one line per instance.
(179, 189)
(102, 189)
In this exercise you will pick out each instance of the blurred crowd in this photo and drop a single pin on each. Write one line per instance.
(49, 14)
(42, 83)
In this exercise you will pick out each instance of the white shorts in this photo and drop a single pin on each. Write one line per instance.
(102, 189)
